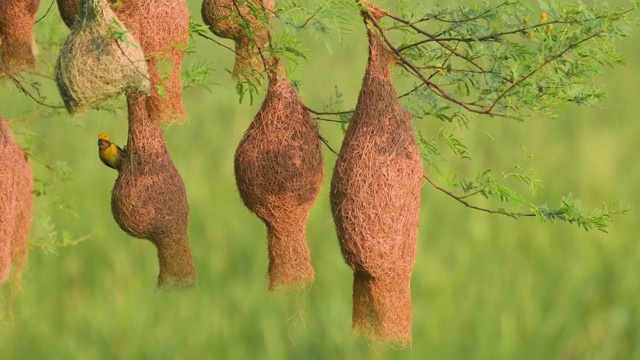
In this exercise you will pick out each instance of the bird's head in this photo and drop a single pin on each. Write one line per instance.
(103, 141)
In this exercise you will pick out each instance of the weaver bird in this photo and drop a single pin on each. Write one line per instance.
(110, 154)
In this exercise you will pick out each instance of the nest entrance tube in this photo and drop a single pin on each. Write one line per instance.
(149, 199)
(278, 170)
(375, 201)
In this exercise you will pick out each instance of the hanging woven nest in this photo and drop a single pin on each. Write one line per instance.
(100, 60)
(16, 34)
(16, 202)
(375, 200)
(246, 22)
(162, 28)
(279, 170)
(149, 199)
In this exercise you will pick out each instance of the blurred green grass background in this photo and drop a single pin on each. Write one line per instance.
(484, 286)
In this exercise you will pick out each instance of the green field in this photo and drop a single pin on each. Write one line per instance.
(483, 287)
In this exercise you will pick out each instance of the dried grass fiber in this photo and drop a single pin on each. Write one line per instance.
(149, 199)
(375, 201)
(16, 202)
(278, 171)
(93, 66)
(16, 33)
(164, 32)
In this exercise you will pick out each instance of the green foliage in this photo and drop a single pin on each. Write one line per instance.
(504, 61)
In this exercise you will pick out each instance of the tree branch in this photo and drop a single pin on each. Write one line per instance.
(24, 90)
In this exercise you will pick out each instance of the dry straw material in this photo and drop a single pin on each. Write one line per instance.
(16, 202)
(164, 33)
(100, 59)
(375, 200)
(246, 23)
(162, 29)
(278, 170)
(16, 33)
(149, 199)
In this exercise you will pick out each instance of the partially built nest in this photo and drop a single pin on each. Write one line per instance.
(375, 200)
(149, 199)
(100, 60)
(16, 202)
(247, 23)
(278, 171)
(162, 28)
(16, 33)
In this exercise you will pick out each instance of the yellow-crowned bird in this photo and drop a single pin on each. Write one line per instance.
(110, 154)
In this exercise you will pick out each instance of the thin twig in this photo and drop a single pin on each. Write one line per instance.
(548, 61)
(328, 112)
(311, 17)
(469, 205)
(471, 18)
(46, 13)
(416, 72)
(434, 38)
(330, 120)
(217, 42)
(326, 143)
(24, 90)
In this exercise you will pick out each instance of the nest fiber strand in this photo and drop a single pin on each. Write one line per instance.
(230, 20)
(375, 200)
(16, 202)
(94, 66)
(16, 33)
(279, 170)
(149, 199)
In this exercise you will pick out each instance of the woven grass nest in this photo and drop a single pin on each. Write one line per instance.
(278, 171)
(375, 201)
(16, 203)
(93, 65)
(16, 34)
(149, 199)
(230, 19)
(162, 29)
